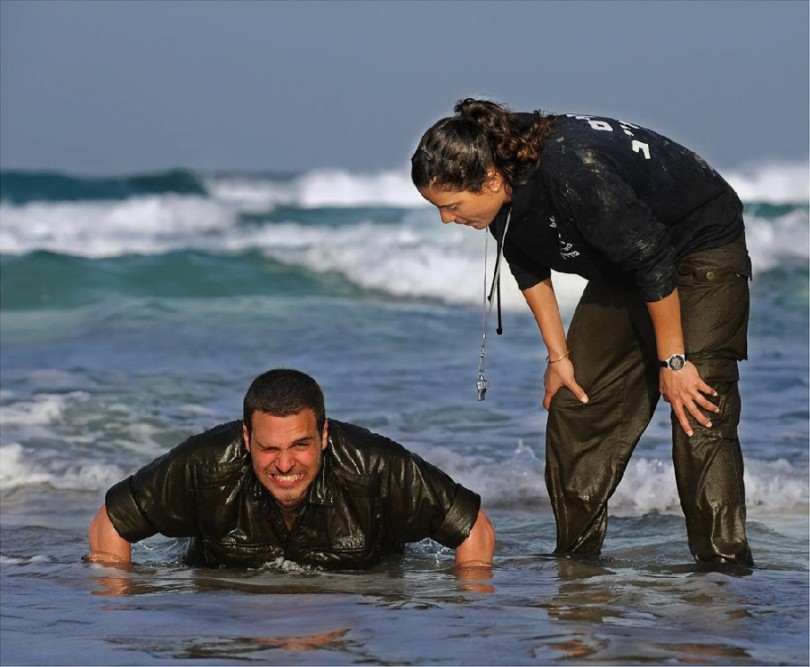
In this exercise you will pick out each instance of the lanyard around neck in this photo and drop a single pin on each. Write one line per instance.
(482, 384)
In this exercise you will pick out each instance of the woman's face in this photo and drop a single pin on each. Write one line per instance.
(464, 207)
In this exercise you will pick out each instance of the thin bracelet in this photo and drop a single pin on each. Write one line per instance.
(554, 361)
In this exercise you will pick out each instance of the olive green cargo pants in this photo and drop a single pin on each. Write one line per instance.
(612, 346)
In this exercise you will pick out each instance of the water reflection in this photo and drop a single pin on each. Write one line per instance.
(223, 648)
(690, 613)
(306, 643)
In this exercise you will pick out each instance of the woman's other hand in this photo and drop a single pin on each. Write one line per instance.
(561, 374)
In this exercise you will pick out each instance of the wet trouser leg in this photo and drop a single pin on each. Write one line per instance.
(713, 288)
(612, 346)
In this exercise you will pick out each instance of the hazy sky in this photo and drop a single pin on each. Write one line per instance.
(107, 87)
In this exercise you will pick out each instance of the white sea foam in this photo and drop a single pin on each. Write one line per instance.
(43, 418)
(252, 194)
(22, 467)
(16, 470)
(42, 409)
(318, 188)
(648, 484)
(773, 181)
(773, 241)
(29, 560)
(144, 225)
(410, 260)
(341, 188)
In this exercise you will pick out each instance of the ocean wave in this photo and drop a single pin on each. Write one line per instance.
(42, 409)
(648, 484)
(778, 239)
(414, 259)
(767, 181)
(81, 459)
(296, 220)
(22, 187)
(19, 469)
(143, 225)
(316, 189)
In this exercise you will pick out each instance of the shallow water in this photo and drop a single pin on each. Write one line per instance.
(642, 604)
(86, 404)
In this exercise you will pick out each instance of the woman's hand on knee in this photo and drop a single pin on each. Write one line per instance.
(686, 392)
(561, 374)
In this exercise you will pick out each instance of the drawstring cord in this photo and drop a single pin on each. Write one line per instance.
(497, 285)
(483, 384)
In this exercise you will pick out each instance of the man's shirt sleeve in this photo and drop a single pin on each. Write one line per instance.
(423, 501)
(159, 498)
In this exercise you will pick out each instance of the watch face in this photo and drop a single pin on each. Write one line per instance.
(676, 362)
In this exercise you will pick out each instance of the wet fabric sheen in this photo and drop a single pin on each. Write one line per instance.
(612, 345)
(370, 497)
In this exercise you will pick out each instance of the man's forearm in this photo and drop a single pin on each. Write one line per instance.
(479, 546)
(106, 545)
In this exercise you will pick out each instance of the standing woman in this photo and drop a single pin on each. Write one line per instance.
(659, 236)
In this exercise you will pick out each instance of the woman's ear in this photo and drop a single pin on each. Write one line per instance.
(494, 180)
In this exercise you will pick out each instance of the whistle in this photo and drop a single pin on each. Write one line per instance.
(482, 385)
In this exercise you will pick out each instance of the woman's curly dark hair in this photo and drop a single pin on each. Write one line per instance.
(458, 151)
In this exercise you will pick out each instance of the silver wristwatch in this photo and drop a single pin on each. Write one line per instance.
(675, 362)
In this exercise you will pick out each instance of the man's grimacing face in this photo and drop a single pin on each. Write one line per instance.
(286, 454)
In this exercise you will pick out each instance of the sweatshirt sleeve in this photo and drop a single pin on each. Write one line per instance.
(526, 271)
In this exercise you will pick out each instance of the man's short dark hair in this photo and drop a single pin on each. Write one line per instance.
(282, 392)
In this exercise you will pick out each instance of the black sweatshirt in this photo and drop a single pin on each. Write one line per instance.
(617, 203)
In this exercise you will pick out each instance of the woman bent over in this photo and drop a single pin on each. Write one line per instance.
(659, 236)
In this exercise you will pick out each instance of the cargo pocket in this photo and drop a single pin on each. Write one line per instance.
(714, 311)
